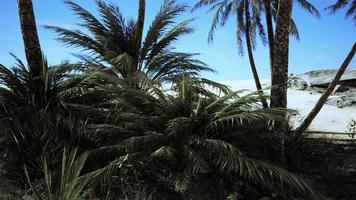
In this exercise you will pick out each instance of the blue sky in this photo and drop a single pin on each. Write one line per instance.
(324, 42)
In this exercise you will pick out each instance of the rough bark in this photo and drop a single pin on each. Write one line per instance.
(138, 34)
(140, 22)
(279, 69)
(270, 33)
(324, 97)
(32, 47)
(250, 54)
(30, 37)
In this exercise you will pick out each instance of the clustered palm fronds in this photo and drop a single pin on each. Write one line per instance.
(32, 129)
(351, 10)
(112, 44)
(136, 121)
(225, 8)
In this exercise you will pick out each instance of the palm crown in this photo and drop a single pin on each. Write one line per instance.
(186, 135)
(224, 8)
(112, 44)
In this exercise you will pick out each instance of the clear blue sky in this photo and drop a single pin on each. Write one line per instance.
(324, 43)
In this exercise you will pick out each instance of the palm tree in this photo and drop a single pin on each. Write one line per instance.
(351, 11)
(138, 32)
(30, 130)
(115, 45)
(280, 57)
(140, 22)
(250, 48)
(252, 22)
(279, 71)
(246, 23)
(270, 32)
(271, 8)
(31, 43)
(184, 143)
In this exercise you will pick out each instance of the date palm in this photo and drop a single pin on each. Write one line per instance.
(185, 147)
(31, 43)
(115, 46)
(30, 130)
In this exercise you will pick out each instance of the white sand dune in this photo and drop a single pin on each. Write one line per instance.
(330, 118)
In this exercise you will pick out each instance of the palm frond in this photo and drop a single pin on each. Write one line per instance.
(309, 7)
(232, 160)
(351, 11)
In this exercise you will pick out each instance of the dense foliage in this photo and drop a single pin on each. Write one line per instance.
(135, 120)
(176, 143)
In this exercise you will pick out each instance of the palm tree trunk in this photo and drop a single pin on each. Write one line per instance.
(140, 22)
(138, 34)
(32, 45)
(270, 33)
(281, 50)
(279, 71)
(318, 106)
(250, 55)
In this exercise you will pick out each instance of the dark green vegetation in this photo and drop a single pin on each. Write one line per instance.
(135, 120)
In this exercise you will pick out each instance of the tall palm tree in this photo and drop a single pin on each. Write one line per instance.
(140, 22)
(31, 43)
(270, 9)
(248, 31)
(246, 24)
(252, 22)
(138, 32)
(270, 32)
(279, 58)
(284, 25)
(115, 44)
(279, 71)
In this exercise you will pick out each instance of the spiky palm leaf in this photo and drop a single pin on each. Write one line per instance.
(114, 47)
(351, 11)
(225, 8)
(190, 145)
(31, 129)
(70, 184)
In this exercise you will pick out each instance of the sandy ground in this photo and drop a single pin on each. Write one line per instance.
(329, 119)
